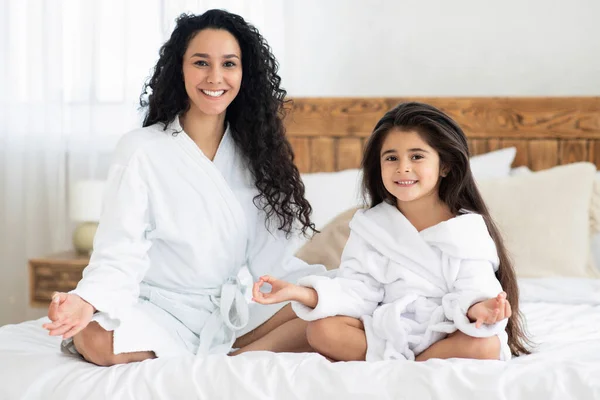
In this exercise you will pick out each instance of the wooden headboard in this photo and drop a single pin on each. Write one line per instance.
(328, 134)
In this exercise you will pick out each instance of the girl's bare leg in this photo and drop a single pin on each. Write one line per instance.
(343, 339)
(338, 338)
(283, 332)
(459, 345)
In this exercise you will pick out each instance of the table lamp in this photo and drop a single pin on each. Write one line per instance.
(85, 206)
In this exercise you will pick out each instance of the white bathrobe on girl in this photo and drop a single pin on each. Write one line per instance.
(175, 230)
(410, 288)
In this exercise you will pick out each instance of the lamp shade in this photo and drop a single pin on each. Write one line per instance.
(85, 200)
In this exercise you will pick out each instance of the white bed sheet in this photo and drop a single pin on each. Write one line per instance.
(562, 315)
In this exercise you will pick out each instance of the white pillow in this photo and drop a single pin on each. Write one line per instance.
(330, 193)
(495, 164)
(522, 170)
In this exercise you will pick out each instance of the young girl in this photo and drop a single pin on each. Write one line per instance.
(420, 262)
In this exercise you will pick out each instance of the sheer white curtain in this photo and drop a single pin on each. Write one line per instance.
(71, 72)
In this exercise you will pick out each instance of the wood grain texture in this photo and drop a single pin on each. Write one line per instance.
(495, 144)
(572, 151)
(335, 117)
(301, 148)
(478, 146)
(349, 153)
(594, 152)
(322, 154)
(527, 117)
(544, 154)
(328, 134)
(56, 273)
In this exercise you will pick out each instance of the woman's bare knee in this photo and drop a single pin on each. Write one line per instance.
(281, 317)
(95, 345)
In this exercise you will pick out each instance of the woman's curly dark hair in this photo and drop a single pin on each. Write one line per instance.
(255, 116)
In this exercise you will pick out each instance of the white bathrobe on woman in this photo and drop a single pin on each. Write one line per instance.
(175, 230)
(410, 288)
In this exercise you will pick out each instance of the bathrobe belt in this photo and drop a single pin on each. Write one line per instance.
(229, 312)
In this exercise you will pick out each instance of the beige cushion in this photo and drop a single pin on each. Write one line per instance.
(326, 246)
(545, 218)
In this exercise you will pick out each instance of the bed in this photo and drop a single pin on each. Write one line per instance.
(561, 306)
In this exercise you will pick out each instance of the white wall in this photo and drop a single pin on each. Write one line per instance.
(442, 48)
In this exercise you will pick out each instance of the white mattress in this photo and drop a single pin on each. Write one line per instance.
(562, 315)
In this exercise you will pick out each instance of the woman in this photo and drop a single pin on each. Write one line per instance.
(207, 186)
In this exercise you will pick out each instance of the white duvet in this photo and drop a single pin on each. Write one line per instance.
(562, 315)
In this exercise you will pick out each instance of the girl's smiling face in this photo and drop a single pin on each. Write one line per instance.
(410, 168)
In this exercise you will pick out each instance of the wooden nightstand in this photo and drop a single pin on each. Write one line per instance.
(56, 273)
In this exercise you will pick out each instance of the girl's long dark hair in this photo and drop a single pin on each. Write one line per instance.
(458, 189)
(255, 116)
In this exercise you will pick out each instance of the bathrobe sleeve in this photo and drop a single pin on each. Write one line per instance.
(475, 282)
(354, 292)
(270, 252)
(120, 258)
